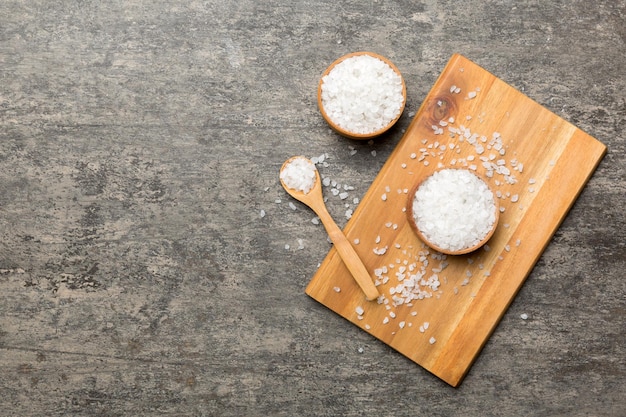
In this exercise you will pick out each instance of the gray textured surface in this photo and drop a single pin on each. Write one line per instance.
(139, 141)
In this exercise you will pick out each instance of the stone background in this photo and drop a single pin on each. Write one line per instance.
(139, 142)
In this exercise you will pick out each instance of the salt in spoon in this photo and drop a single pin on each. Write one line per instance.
(315, 201)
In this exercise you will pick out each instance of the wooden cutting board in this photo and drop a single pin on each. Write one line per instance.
(437, 311)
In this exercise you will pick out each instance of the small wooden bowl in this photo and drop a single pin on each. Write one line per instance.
(347, 133)
(423, 238)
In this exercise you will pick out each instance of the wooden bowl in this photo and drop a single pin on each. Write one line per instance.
(342, 131)
(423, 238)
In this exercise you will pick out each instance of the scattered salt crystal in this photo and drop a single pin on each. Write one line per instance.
(356, 241)
(359, 310)
(432, 340)
(524, 316)
(384, 197)
(262, 213)
(292, 206)
(380, 251)
(287, 246)
(315, 220)
(337, 289)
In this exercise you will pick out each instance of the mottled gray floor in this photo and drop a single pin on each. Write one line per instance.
(139, 142)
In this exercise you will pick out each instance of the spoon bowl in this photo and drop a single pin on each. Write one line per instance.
(314, 199)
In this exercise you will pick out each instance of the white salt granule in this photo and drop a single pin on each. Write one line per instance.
(432, 340)
(299, 174)
(524, 316)
(362, 94)
(454, 209)
(359, 310)
(262, 213)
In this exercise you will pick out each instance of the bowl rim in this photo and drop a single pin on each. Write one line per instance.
(423, 238)
(345, 132)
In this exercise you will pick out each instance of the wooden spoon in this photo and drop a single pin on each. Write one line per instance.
(315, 201)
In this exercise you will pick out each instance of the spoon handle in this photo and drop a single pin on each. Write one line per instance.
(348, 255)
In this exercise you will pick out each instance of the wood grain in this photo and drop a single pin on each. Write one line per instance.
(548, 161)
